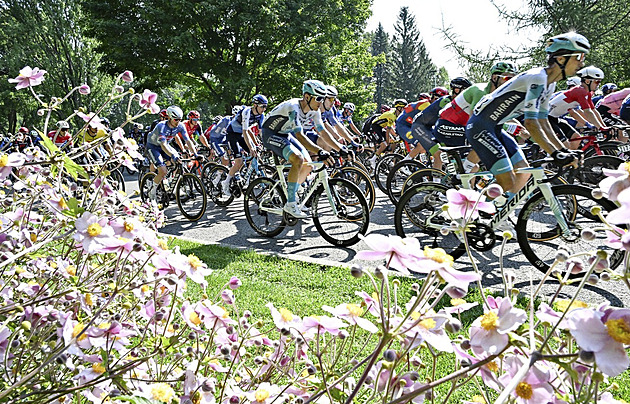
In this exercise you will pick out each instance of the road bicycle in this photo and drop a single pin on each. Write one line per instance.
(551, 217)
(338, 208)
(179, 185)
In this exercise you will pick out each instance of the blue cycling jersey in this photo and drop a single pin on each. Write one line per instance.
(245, 118)
(429, 116)
(218, 130)
(164, 133)
(330, 116)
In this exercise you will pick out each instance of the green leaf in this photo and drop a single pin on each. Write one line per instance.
(74, 169)
(49, 143)
(137, 400)
(74, 209)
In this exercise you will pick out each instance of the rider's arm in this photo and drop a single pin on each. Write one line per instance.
(168, 149)
(578, 115)
(542, 133)
(191, 146)
(328, 138)
(594, 118)
(249, 137)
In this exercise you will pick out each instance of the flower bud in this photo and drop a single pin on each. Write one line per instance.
(41, 112)
(207, 386)
(234, 283)
(596, 210)
(379, 272)
(465, 344)
(311, 370)
(605, 276)
(444, 231)
(592, 279)
(389, 355)
(119, 89)
(597, 194)
(587, 356)
(494, 190)
(356, 270)
(26, 325)
(562, 256)
(247, 314)
(127, 76)
(225, 350)
(455, 292)
(588, 235)
(453, 325)
(235, 400)
(415, 361)
(84, 89)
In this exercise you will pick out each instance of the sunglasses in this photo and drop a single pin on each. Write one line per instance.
(320, 98)
(63, 130)
(262, 106)
(176, 119)
(578, 56)
(195, 119)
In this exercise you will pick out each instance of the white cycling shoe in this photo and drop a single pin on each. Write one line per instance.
(294, 209)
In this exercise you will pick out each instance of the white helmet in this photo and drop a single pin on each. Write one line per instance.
(63, 125)
(591, 72)
(237, 108)
(174, 112)
(350, 106)
(573, 81)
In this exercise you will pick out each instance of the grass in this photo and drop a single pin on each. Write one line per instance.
(304, 288)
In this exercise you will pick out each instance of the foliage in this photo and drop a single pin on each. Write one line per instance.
(380, 47)
(412, 71)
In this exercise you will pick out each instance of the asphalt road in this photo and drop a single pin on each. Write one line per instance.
(229, 227)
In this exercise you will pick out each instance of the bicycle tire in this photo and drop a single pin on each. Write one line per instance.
(419, 215)
(142, 170)
(398, 175)
(382, 168)
(362, 180)
(144, 188)
(205, 171)
(118, 181)
(610, 148)
(261, 191)
(592, 170)
(539, 235)
(214, 188)
(432, 175)
(191, 198)
(352, 218)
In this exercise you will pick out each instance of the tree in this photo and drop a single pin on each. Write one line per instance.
(226, 50)
(411, 68)
(380, 48)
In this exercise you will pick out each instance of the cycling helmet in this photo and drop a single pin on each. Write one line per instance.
(331, 91)
(217, 118)
(63, 125)
(569, 42)
(424, 96)
(385, 108)
(163, 113)
(193, 114)
(573, 81)
(314, 87)
(236, 109)
(438, 91)
(23, 130)
(174, 112)
(503, 66)
(591, 72)
(400, 103)
(460, 82)
(260, 99)
(105, 121)
(609, 88)
(34, 133)
(349, 106)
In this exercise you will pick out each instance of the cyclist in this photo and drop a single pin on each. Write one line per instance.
(162, 116)
(450, 128)
(624, 111)
(193, 127)
(106, 124)
(578, 103)
(405, 119)
(22, 140)
(330, 116)
(383, 128)
(216, 134)
(282, 133)
(159, 148)
(572, 82)
(240, 136)
(606, 89)
(528, 94)
(610, 106)
(422, 125)
(62, 135)
(346, 118)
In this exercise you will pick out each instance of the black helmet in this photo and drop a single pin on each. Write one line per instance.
(460, 82)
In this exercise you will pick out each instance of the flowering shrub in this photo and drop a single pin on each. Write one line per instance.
(93, 309)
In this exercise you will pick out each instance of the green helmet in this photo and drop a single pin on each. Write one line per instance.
(503, 66)
(569, 42)
(314, 87)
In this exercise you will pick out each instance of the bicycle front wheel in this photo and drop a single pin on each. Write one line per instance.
(540, 236)
(191, 197)
(419, 215)
(212, 181)
(263, 207)
(398, 175)
(341, 216)
(362, 180)
(383, 167)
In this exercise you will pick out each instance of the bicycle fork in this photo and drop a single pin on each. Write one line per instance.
(556, 209)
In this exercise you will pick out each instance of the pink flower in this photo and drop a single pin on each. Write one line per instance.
(234, 283)
(398, 252)
(28, 78)
(320, 324)
(127, 76)
(428, 328)
(619, 238)
(94, 234)
(487, 374)
(534, 388)
(370, 302)
(93, 119)
(8, 161)
(621, 215)
(489, 333)
(283, 318)
(195, 269)
(436, 259)
(147, 101)
(616, 181)
(604, 334)
(84, 89)
(461, 204)
(352, 314)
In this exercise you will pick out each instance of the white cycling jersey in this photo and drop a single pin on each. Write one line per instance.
(288, 118)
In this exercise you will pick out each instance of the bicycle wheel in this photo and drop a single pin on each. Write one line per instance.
(263, 207)
(213, 186)
(592, 171)
(425, 175)
(419, 214)
(383, 166)
(145, 186)
(539, 234)
(191, 197)
(398, 175)
(610, 148)
(205, 172)
(352, 216)
(117, 180)
(142, 170)
(359, 178)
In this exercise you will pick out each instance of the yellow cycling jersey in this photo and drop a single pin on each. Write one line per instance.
(387, 119)
(86, 137)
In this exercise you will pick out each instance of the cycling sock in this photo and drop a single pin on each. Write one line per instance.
(407, 157)
(468, 165)
(291, 191)
(228, 178)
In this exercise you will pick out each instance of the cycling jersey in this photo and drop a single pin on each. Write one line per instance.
(386, 119)
(575, 97)
(244, 118)
(460, 109)
(192, 128)
(62, 137)
(624, 111)
(164, 133)
(526, 94)
(288, 118)
(330, 116)
(614, 100)
(86, 137)
(431, 113)
(411, 110)
(345, 119)
(218, 130)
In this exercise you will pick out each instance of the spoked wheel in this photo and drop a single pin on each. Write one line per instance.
(419, 214)
(142, 170)
(426, 175)
(592, 171)
(205, 172)
(145, 187)
(191, 197)
(398, 175)
(341, 217)
(540, 236)
(263, 207)
(383, 167)
(362, 180)
(213, 185)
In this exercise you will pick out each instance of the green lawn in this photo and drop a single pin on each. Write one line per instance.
(304, 288)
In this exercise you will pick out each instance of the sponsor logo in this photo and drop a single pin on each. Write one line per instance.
(513, 202)
(499, 110)
(481, 137)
